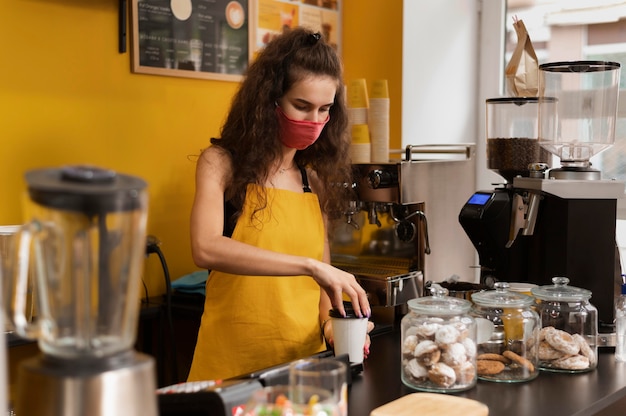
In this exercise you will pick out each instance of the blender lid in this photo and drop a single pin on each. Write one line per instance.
(88, 189)
(560, 291)
(502, 297)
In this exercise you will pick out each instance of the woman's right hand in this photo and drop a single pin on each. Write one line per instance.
(335, 282)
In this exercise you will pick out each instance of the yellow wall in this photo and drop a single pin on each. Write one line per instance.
(67, 96)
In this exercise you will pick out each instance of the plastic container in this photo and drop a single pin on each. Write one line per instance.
(438, 344)
(506, 338)
(582, 123)
(568, 338)
(512, 136)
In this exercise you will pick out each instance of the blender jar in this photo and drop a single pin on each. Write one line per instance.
(582, 123)
(509, 318)
(438, 344)
(512, 136)
(86, 236)
(568, 337)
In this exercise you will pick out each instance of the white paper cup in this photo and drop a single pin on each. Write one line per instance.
(349, 336)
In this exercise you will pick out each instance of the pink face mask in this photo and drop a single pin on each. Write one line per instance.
(298, 134)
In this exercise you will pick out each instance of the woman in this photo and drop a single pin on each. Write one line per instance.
(265, 192)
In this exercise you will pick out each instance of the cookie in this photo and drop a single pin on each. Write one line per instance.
(519, 360)
(465, 373)
(454, 355)
(575, 362)
(442, 375)
(562, 341)
(547, 353)
(493, 357)
(585, 349)
(427, 353)
(489, 367)
(416, 370)
(447, 334)
(409, 344)
(427, 330)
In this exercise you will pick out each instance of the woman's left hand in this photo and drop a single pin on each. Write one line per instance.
(328, 335)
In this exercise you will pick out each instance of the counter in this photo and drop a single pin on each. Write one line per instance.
(600, 392)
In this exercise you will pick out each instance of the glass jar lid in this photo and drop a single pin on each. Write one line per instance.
(502, 297)
(439, 303)
(561, 291)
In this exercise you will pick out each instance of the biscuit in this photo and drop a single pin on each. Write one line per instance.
(427, 353)
(417, 370)
(447, 334)
(409, 344)
(575, 362)
(493, 357)
(442, 375)
(427, 330)
(585, 349)
(562, 341)
(519, 360)
(546, 352)
(489, 367)
(465, 373)
(455, 355)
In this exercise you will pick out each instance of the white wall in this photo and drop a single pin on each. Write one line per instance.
(453, 59)
(439, 71)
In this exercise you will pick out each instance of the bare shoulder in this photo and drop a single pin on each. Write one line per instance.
(214, 161)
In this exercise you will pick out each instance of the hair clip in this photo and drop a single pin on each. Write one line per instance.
(316, 36)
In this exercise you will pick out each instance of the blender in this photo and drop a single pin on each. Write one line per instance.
(547, 222)
(85, 235)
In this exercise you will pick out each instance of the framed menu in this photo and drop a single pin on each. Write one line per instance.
(217, 39)
(207, 39)
(272, 17)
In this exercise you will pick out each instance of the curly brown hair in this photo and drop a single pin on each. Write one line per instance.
(250, 134)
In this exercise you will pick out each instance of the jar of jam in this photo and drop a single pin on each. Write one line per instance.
(438, 343)
(506, 338)
(568, 337)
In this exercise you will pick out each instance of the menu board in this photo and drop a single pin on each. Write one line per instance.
(191, 38)
(275, 16)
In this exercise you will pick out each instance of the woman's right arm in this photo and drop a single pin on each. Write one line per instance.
(211, 250)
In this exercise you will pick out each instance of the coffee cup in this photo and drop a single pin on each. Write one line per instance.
(349, 333)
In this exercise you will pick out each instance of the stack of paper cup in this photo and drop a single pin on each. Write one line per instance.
(358, 103)
(378, 121)
(360, 148)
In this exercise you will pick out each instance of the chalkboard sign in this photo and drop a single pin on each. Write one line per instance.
(207, 39)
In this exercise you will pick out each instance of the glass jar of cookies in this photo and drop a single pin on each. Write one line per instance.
(506, 336)
(568, 337)
(438, 343)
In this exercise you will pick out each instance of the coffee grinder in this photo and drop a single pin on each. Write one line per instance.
(544, 222)
(85, 238)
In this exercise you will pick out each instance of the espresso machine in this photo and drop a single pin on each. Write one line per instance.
(85, 238)
(542, 222)
(383, 239)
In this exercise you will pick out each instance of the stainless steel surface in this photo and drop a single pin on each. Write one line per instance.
(387, 281)
(127, 389)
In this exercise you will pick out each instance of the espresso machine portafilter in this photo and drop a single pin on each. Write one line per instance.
(543, 223)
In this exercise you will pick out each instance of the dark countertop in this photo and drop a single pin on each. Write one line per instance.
(555, 394)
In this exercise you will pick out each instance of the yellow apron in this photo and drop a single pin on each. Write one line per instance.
(253, 322)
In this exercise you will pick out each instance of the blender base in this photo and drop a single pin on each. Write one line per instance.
(123, 385)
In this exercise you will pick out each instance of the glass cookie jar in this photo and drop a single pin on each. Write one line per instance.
(506, 343)
(438, 344)
(568, 337)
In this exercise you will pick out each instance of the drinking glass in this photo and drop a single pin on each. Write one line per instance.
(326, 374)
